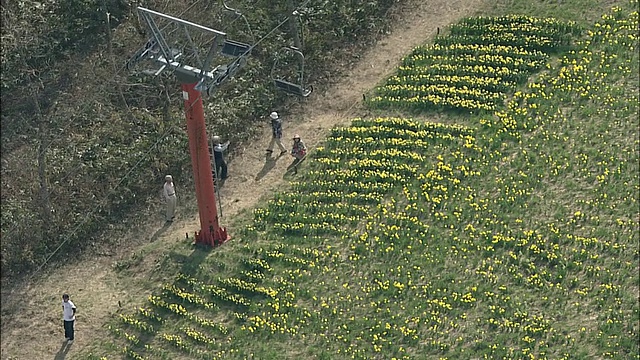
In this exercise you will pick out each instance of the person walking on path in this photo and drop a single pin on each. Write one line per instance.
(218, 157)
(276, 130)
(68, 317)
(299, 150)
(170, 198)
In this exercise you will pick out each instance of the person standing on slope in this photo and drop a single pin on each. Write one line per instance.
(276, 131)
(299, 150)
(68, 317)
(170, 198)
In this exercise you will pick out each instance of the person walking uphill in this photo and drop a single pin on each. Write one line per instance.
(276, 130)
(218, 157)
(299, 150)
(170, 198)
(68, 317)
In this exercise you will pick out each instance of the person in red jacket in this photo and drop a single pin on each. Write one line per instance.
(299, 150)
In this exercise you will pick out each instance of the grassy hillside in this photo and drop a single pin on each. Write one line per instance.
(511, 232)
(86, 143)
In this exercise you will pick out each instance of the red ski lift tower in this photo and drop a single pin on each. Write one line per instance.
(177, 46)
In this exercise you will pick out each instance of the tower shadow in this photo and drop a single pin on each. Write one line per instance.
(188, 264)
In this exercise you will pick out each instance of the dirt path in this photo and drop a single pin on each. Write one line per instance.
(35, 331)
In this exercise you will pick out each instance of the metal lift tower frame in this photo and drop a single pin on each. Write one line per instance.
(194, 81)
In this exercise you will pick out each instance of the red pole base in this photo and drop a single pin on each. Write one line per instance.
(215, 238)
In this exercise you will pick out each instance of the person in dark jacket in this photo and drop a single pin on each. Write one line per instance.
(220, 168)
(276, 131)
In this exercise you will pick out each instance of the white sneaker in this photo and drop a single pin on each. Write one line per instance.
(70, 342)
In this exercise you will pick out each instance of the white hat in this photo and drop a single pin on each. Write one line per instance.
(296, 136)
(168, 177)
(216, 139)
(274, 115)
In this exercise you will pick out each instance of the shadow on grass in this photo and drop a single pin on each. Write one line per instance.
(292, 169)
(160, 231)
(187, 264)
(269, 163)
(190, 263)
(62, 353)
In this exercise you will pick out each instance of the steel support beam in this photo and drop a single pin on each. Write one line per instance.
(210, 231)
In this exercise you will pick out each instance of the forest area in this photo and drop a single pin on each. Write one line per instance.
(85, 142)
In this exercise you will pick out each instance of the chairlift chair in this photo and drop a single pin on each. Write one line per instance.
(234, 48)
(298, 88)
(151, 51)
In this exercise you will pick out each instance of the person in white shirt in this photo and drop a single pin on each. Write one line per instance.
(68, 317)
(170, 197)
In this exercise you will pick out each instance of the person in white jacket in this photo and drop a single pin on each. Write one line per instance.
(170, 198)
